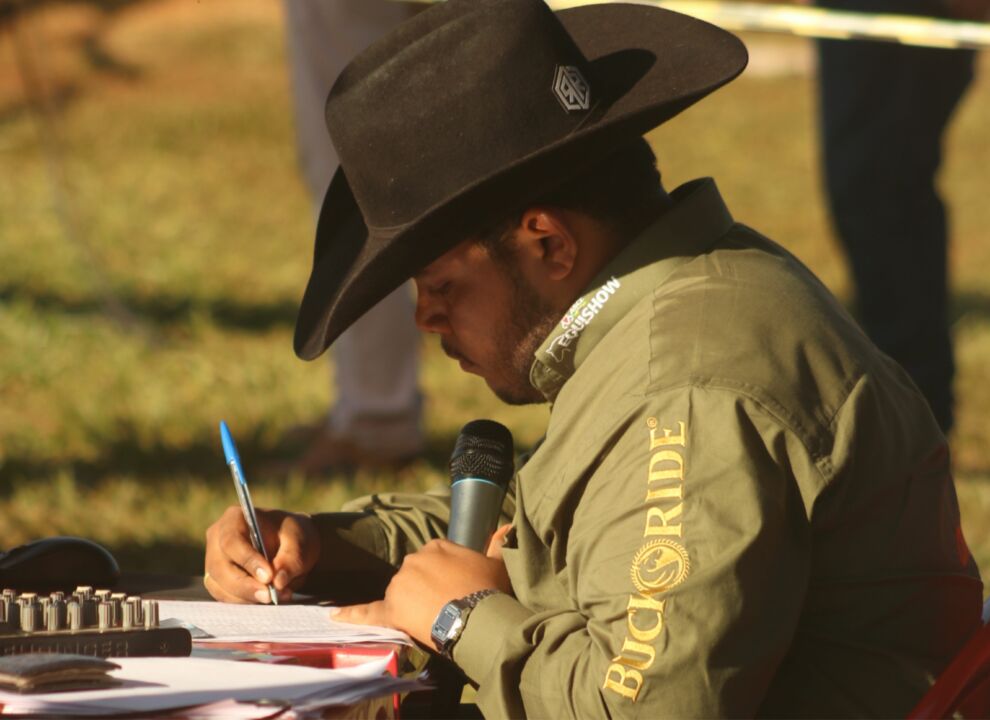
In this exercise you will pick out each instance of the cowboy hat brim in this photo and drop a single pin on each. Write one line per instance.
(652, 64)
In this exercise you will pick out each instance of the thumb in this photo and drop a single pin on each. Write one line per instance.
(494, 551)
(372, 613)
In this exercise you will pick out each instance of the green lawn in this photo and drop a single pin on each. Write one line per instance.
(175, 139)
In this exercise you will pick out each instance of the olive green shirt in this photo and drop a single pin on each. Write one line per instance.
(740, 506)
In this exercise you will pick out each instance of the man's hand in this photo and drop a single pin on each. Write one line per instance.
(439, 572)
(236, 572)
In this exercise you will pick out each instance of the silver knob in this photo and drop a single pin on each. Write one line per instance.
(128, 620)
(74, 611)
(29, 617)
(150, 608)
(135, 602)
(11, 612)
(55, 619)
(105, 615)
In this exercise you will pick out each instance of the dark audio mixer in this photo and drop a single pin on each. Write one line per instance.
(87, 622)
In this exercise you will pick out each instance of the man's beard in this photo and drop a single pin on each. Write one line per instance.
(531, 319)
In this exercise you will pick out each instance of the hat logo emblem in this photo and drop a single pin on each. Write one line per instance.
(571, 88)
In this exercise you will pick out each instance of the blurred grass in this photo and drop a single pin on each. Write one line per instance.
(176, 137)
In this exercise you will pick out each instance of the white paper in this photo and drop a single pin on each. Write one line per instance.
(155, 684)
(228, 622)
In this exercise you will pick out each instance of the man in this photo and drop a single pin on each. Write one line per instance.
(740, 507)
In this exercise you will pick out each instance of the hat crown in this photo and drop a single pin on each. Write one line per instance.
(455, 94)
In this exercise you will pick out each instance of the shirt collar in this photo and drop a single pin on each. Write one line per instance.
(697, 218)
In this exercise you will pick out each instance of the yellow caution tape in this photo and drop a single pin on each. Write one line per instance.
(819, 22)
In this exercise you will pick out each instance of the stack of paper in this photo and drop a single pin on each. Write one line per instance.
(160, 684)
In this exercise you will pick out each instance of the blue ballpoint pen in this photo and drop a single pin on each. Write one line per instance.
(244, 495)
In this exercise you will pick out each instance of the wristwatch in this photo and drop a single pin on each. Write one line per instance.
(449, 625)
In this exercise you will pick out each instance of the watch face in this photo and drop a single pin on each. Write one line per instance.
(446, 626)
(446, 619)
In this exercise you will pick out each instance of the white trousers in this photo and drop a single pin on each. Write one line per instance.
(378, 400)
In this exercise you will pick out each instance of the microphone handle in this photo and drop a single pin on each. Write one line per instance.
(475, 504)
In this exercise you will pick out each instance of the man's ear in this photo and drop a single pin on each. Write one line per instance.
(546, 241)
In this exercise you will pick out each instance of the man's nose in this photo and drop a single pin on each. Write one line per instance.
(431, 315)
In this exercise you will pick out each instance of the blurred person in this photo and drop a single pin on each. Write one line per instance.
(740, 507)
(377, 416)
(884, 111)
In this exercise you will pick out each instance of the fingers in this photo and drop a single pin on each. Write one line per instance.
(296, 553)
(236, 572)
(239, 548)
(474, 569)
(233, 586)
(494, 550)
(221, 594)
(239, 573)
(437, 573)
(368, 614)
(298, 549)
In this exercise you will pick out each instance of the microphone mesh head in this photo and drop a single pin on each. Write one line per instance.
(483, 450)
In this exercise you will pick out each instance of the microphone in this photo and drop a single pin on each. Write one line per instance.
(480, 469)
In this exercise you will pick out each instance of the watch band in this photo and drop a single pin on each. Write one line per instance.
(452, 618)
(478, 595)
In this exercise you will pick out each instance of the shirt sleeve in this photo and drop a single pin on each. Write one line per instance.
(389, 526)
(678, 563)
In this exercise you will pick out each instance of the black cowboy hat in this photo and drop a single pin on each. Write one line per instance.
(474, 107)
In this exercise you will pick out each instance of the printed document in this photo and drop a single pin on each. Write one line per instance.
(228, 622)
